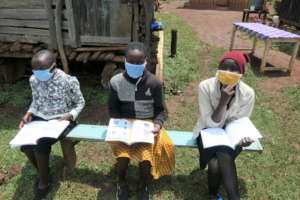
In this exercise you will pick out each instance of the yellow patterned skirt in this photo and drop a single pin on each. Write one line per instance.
(161, 154)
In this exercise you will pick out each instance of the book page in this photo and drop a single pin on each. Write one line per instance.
(241, 128)
(118, 130)
(142, 132)
(33, 131)
(215, 137)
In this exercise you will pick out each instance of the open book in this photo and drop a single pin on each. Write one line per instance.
(130, 131)
(231, 135)
(32, 132)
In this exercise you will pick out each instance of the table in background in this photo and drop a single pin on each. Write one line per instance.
(269, 35)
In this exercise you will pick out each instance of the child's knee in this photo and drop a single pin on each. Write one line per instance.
(27, 149)
(42, 149)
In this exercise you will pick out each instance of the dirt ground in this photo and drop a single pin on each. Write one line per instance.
(9, 173)
(215, 26)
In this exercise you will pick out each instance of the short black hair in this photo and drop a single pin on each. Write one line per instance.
(136, 46)
(49, 57)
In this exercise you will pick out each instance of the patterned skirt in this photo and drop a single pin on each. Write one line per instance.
(160, 154)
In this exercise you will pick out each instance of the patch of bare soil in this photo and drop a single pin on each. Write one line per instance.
(188, 95)
(95, 113)
(6, 174)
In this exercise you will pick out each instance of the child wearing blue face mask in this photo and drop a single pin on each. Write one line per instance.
(137, 94)
(55, 95)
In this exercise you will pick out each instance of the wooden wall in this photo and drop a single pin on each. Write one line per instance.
(290, 12)
(102, 21)
(84, 23)
(213, 4)
(202, 4)
(28, 24)
(25, 25)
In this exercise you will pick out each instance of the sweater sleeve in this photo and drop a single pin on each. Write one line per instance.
(114, 104)
(247, 108)
(206, 108)
(159, 105)
(33, 105)
(76, 97)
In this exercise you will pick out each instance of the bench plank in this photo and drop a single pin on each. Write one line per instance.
(179, 138)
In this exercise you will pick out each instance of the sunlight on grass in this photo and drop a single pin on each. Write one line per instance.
(293, 94)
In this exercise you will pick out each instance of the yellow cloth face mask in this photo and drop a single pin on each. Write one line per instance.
(228, 78)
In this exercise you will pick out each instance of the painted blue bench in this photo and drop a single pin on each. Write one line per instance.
(179, 138)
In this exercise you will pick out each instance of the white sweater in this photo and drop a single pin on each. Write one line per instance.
(209, 95)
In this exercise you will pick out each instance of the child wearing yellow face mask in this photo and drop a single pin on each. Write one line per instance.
(228, 78)
(223, 99)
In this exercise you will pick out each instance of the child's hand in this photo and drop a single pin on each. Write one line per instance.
(156, 129)
(26, 119)
(246, 141)
(67, 117)
(226, 93)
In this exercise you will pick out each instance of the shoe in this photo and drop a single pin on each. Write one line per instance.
(219, 197)
(41, 193)
(122, 192)
(36, 184)
(144, 194)
(215, 197)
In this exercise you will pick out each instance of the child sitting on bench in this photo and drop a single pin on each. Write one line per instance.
(137, 94)
(55, 95)
(223, 99)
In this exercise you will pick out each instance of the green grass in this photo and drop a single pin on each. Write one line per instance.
(15, 95)
(188, 63)
(274, 174)
(293, 94)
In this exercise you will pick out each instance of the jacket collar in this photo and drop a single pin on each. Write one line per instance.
(134, 81)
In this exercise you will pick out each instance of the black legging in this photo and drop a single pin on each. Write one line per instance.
(221, 169)
(144, 167)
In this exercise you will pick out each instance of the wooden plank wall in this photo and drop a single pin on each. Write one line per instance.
(27, 25)
(212, 4)
(103, 21)
(238, 4)
(289, 12)
(202, 4)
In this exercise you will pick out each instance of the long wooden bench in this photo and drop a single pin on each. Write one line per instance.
(179, 138)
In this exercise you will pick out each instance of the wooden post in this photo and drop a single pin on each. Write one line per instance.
(268, 45)
(148, 6)
(73, 29)
(173, 42)
(160, 57)
(294, 55)
(232, 38)
(59, 35)
(51, 21)
(135, 23)
(254, 45)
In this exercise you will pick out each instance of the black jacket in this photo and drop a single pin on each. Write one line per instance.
(136, 98)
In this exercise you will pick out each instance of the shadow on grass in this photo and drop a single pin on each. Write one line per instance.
(255, 64)
(192, 186)
(25, 184)
(188, 187)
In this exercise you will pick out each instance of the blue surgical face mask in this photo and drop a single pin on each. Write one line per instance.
(43, 75)
(133, 70)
